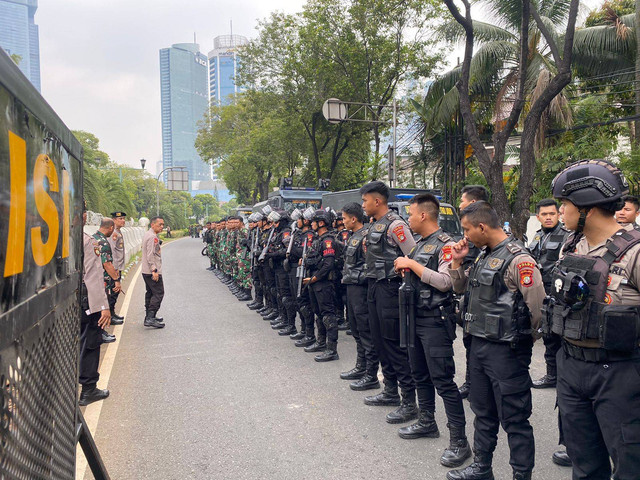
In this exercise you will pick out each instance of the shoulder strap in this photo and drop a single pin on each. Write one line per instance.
(619, 244)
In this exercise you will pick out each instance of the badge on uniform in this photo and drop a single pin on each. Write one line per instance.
(399, 231)
(327, 244)
(558, 284)
(155, 240)
(429, 248)
(354, 242)
(115, 237)
(495, 263)
(526, 273)
(379, 227)
(446, 253)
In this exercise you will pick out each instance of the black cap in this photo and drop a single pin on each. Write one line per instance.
(118, 214)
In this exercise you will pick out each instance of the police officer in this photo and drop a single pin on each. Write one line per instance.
(299, 253)
(152, 273)
(321, 267)
(545, 249)
(470, 194)
(272, 314)
(293, 256)
(342, 235)
(95, 315)
(277, 255)
(116, 240)
(503, 301)
(111, 275)
(354, 279)
(594, 306)
(628, 214)
(388, 238)
(431, 346)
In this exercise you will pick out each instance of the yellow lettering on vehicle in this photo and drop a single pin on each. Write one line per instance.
(14, 260)
(66, 192)
(43, 251)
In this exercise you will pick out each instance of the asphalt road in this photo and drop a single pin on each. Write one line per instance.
(218, 395)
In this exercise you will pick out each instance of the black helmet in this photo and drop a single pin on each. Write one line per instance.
(323, 215)
(591, 183)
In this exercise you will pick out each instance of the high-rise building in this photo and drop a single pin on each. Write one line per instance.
(19, 36)
(184, 95)
(223, 67)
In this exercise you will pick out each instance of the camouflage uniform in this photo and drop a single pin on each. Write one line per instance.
(106, 255)
(243, 262)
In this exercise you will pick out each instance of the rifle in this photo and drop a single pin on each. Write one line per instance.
(301, 269)
(407, 311)
(252, 247)
(266, 247)
(285, 264)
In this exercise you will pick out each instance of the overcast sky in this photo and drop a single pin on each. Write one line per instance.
(100, 61)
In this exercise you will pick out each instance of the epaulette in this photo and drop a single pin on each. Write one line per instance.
(514, 248)
(443, 237)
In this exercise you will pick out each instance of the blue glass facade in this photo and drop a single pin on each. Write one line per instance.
(184, 100)
(223, 67)
(19, 35)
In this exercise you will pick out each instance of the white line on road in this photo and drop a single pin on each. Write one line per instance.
(183, 355)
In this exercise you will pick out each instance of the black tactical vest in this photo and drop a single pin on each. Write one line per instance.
(617, 327)
(354, 272)
(545, 249)
(297, 239)
(427, 252)
(380, 254)
(316, 257)
(492, 311)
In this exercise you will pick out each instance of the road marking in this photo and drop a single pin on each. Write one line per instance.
(92, 411)
(182, 355)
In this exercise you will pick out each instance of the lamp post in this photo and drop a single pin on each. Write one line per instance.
(337, 111)
(158, 182)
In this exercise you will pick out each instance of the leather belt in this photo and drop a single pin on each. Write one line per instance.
(597, 355)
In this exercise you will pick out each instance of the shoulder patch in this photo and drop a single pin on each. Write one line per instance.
(354, 242)
(155, 240)
(495, 263)
(286, 235)
(526, 273)
(447, 253)
(114, 237)
(399, 232)
(379, 227)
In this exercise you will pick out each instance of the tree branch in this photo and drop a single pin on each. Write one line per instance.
(547, 35)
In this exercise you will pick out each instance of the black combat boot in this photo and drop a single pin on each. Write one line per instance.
(387, 398)
(480, 469)
(355, 373)
(407, 411)
(277, 321)
(255, 305)
(458, 450)
(280, 326)
(368, 382)
(561, 457)
(521, 475)
(342, 324)
(91, 394)
(298, 335)
(246, 295)
(426, 426)
(319, 345)
(305, 342)
(288, 331)
(330, 353)
(151, 320)
(547, 381)
(272, 316)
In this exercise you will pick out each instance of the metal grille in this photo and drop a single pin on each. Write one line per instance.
(38, 375)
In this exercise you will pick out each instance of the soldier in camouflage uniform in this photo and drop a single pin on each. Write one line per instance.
(111, 276)
(254, 228)
(243, 263)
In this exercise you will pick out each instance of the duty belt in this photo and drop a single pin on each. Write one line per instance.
(596, 355)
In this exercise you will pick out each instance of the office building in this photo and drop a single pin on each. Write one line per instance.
(19, 36)
(184, 96)
(223, 67)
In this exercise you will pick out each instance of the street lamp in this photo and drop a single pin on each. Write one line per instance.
(337, 111)
(143, 162)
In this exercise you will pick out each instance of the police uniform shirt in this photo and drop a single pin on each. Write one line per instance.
(116, 240)
(92, 276)
(522, 275)
(399, 234)
(623, 281)
(440, 279)
(151, 259)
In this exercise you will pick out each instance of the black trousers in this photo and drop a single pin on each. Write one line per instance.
(466, 341)
(340, 294)
(90, 340)
(270, 285)
(113, 299)
(257, 284)
(501, 395)
(358, 315)
(384, 322)
(155, 293)
(433, 368)
(322, 299)
(600, 411)
(263, 284)
(283, 289)
(552, 343)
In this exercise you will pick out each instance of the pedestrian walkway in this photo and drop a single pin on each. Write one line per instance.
(217, 394)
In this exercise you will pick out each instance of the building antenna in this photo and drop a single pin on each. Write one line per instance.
(194, 37)
(231, 26)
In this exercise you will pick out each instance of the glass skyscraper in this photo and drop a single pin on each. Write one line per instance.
(184, 96)
(19, 35)
(223, 66)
